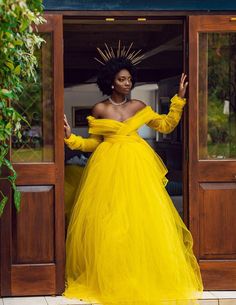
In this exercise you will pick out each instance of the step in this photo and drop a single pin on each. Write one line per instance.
(209, 298)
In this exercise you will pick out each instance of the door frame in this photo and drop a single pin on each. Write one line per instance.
(212, 267)
(17, 279)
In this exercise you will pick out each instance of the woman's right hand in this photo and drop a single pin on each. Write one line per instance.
(67, 128)
(182, 86)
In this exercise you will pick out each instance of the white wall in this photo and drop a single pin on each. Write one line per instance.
(82, 95)
(148, 93)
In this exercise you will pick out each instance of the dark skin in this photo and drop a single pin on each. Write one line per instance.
(122, 86)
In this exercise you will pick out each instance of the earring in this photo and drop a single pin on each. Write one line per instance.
(112, 87)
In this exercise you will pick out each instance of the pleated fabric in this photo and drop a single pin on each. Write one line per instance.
(73, 174)
(126, 243)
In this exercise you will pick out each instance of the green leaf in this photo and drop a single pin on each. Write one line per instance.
(9, 64)
(24, 25)
(19, 135)
(3, 203)
(18, 116)
(17, 70)
(2, 104)
(3, 152)
(17, 125)
(8, 132)
(2, 138)
(9, 34)
(18, 42)
(6, 93)
(9, 165)
(10, 45)
(9, 111)
(17, 199)
(9, 125)
(14, 116)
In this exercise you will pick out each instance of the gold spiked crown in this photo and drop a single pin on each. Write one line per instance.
(108, 54)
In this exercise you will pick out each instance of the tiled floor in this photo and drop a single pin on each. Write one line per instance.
(209, 298)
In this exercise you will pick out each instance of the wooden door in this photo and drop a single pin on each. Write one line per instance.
(32, 241)
(212, 147)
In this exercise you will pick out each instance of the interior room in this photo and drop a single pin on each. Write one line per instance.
(161, 40)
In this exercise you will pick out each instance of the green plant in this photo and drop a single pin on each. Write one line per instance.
(18, 40)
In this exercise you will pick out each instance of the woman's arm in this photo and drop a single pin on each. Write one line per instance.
(83, 144)
(78, 142)
(166, 123)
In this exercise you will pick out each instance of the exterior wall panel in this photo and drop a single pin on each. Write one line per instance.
(140, 5)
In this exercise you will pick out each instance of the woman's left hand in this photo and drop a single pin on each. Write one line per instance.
(182, 86)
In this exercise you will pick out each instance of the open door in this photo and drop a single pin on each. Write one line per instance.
(32, 241)
(212, 147)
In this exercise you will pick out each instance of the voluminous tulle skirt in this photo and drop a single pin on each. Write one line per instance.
(126, 243)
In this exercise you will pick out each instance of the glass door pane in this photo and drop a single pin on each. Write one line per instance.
(217, 95)
(36, 105)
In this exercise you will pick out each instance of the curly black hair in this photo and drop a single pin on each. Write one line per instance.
(108, 72)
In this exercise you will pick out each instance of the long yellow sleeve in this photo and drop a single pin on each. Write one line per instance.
(83, 144)
(166, 123)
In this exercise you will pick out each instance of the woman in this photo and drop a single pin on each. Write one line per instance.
(126, 243)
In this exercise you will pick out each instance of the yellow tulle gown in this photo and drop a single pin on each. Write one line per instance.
(126, 243)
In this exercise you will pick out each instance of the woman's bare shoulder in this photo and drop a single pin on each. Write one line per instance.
(98, 109)
(138, 104)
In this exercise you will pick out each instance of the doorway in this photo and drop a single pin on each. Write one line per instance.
(35, 266)
(161, 40)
